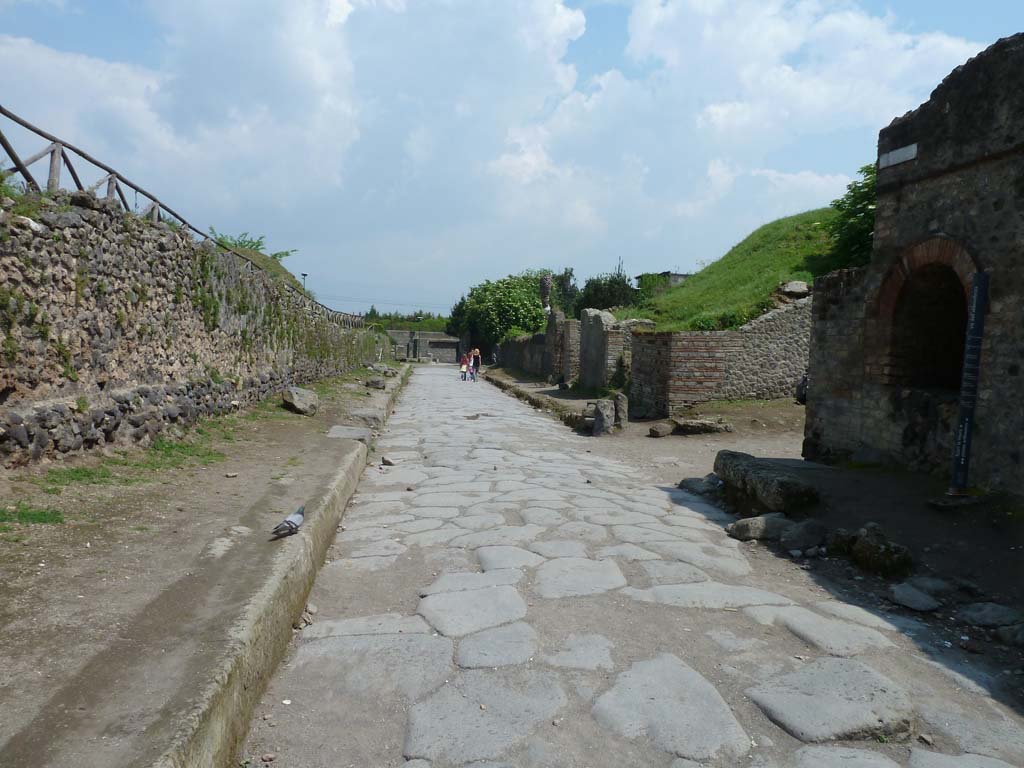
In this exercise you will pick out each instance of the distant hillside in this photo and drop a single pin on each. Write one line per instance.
(738, 287)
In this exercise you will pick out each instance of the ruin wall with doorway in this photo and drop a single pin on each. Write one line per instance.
(887, 339)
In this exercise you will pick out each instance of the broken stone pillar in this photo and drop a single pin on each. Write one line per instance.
(604, 417)
(621, 410)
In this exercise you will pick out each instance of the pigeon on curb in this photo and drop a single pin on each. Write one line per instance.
(290, 524)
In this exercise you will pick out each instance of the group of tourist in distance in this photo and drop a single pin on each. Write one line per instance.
(469, 365)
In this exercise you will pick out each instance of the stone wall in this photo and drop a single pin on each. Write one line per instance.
(112, 327)
(606, 349)
(762, 360)
(436, 345)
(570, 351)
(950, 204)
(525, 353)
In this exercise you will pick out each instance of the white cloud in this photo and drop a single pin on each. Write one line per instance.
(453, 141)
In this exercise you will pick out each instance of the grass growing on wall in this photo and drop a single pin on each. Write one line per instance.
(738, 287)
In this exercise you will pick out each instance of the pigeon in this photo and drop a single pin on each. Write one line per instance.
(290, 524)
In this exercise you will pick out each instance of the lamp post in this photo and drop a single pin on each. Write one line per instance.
(304, 276)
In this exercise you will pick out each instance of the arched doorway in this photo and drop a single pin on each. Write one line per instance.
(917, 340)
(929, 325)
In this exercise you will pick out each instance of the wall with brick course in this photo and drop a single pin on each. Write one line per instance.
(762, 360)
(958, 206)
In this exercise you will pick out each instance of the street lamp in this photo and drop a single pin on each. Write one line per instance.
(304, 276)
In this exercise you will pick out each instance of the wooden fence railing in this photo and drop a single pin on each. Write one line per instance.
(59, 153)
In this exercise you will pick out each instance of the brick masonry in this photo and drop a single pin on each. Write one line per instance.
(762, 360)
(880, 365)
(113, 328)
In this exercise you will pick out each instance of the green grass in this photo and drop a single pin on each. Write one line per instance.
(25, 514)
(134, 469)
(276, 269)
(739, 286)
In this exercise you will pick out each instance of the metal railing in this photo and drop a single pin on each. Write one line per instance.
(59, 153)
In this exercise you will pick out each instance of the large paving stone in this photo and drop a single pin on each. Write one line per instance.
(500, 536)
(627, 552)
(670, 704)
(383, 624)
(572, 576)
(841, 757)
(498, 647)
(831, 699)
(591, 652)
(481, 714)
(920, 758)
(432, 538)
(458, 582)
(372, 665)
(585, 531)
(559, 548)
(480, 522)
(704, 556)
(834, 636)
(461, 613)
(709, 594)
(503, 558)
(661, 572)
(992, 734)
(857, 614)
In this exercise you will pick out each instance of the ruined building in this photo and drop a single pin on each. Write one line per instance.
(887, 340)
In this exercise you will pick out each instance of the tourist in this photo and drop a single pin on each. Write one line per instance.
(477, 360)
(464, 365)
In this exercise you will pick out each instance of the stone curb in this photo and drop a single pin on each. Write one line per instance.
(212, 732)
(543, 402)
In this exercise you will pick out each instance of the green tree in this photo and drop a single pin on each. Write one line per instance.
(372, 314)
(499, 309)
(612, 289)
(565, 291)
(852, 229)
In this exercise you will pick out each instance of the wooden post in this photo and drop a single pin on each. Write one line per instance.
(53, 180)
(111, 186)
(71, 170)
(17, 162)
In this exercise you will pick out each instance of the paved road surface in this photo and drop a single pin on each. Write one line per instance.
(527, 603)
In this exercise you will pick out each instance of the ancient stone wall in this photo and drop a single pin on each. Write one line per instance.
(111, 327)
(762, 360)
(950, 203)
(525, 353)
(570, 351)
(606, 349)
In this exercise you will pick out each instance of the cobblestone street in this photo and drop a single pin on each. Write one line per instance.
(503, 597)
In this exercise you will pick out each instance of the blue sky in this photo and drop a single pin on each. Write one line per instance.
(411, 148)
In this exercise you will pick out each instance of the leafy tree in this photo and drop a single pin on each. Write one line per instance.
(565, 291)
(496, 310)
(612, 289)
(649, 285)
(853, 227)
(372, 314)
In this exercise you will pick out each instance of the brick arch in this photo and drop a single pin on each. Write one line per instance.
(940, 250)
(943, 251)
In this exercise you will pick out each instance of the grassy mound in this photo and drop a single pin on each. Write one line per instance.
(739, 286)
(276, 269)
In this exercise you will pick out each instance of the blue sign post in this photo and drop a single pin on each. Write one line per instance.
(969, 384)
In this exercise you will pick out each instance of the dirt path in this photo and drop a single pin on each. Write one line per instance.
(112, 620)
(506, 595)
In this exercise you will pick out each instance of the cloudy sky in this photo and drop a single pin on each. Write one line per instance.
(411, 148)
